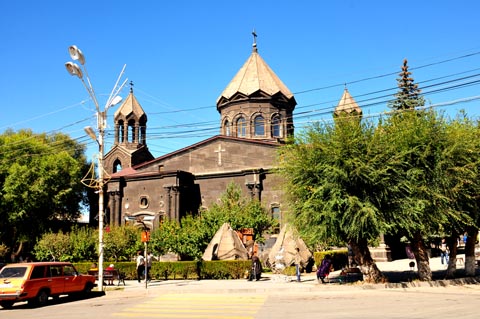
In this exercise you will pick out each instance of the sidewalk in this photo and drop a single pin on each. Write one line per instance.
(274, 283)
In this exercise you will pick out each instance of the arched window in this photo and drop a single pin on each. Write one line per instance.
(226, 127)
(277, 215)
(276, 127)
(131, 131)
(241, 127)
(122, 131)
(117, 166)
(259, 124)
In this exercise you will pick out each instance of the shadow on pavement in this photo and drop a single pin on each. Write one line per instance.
(60, 300)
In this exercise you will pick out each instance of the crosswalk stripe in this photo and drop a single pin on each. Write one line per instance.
(197, 306)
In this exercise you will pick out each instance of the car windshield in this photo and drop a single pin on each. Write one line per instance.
(13, 272)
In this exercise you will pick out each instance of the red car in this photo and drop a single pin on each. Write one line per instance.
(36, 282)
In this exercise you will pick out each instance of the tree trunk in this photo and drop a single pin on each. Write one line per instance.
(14, 255)
(421, 256)
(452, 256)
(363, 258)
(470, 263)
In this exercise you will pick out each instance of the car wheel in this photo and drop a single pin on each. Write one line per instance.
(88, 287)
(42, 298)
(7, 304)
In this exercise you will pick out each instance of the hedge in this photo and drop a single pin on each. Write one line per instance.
(218, 269)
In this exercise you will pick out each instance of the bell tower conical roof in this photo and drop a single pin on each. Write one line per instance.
(130, 108)
(347, 105)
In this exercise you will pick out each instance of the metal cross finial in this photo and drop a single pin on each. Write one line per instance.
(131, 86)
(254, 39)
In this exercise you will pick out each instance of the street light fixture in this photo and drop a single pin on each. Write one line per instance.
(145, 237)
(78, 71)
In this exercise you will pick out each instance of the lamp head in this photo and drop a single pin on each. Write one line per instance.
(89, 130)
(74, 69)
(117, 99)
(76, 54)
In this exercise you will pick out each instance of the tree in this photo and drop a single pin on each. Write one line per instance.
(121, 243)
(440, 177)
(336, 180)
(84, 243)
(188, 240)
(239, 211)
(54, 246)
(39, 182)
(459, 166)
(191, 236)
(408, 96)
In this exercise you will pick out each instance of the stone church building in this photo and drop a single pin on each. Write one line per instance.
(256, 117)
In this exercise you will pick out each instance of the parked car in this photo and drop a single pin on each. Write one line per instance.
(37, 281)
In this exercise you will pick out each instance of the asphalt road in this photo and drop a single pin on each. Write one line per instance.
(325, 302)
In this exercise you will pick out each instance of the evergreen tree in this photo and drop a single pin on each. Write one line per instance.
(408, 96)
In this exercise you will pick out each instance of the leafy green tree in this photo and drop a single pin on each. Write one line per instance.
(121, 243)
(239, 211)
(39, 182)
(84, 242)
(336, 181)
(54, 246)
(191, 236)
(458, 168)
(408, 96)
(439, 178)
(188, 240)
(416, 138)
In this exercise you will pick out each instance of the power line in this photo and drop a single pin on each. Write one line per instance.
(205, 127)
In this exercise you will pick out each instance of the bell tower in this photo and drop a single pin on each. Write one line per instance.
(130, 145)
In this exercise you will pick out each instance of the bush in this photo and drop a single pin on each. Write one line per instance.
(192, 270)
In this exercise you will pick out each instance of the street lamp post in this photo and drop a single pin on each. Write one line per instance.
(114, 98)
(145, 238)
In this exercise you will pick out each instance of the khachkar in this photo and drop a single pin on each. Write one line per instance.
(382, 252)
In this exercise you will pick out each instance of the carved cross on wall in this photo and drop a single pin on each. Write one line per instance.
(219, 151)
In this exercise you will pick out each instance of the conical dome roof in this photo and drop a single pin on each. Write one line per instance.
(347, 104)
(255, 75)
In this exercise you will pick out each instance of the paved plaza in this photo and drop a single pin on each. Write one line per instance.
(398, 272)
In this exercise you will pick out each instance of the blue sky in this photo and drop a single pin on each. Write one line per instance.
(182, 54)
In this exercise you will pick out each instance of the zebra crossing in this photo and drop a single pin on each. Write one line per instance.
(197, 306)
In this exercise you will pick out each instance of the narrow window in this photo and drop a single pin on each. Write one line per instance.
(241, 127)
(259, 124)
(226, 127)
(276, 127)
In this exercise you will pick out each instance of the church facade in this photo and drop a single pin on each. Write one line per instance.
(256, 117)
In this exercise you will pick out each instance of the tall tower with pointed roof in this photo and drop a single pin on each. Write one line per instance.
(256, 104)
(130, 146)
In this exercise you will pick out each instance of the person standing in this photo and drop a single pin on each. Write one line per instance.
(140, 265)
(444, 251)
(149, 265)
(298, 261)
(256, 269)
